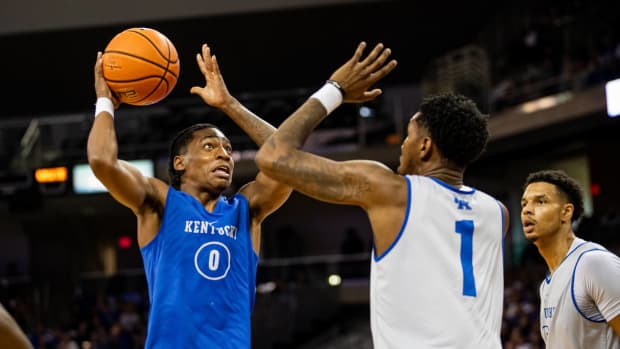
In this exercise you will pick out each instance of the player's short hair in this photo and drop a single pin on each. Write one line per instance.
(179, 146)
(566, 186)
(456, 126)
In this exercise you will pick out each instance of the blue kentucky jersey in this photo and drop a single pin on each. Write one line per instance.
(201, 273)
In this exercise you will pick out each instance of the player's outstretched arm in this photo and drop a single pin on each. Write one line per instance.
(264, 194)
(215, 93)
(350, 182)
(125, 183)
(11, 336)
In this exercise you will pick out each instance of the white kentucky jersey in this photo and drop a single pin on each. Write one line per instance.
(578, 299)
(441, 283)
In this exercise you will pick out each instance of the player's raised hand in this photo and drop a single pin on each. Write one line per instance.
(101, 87)
(357, 75)
(214, 92)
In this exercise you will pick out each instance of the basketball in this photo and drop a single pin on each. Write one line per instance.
(141, 66)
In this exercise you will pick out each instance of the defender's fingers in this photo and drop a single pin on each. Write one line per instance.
(379, 61)
(358, 52)
(201, 64)
(206, 56)
(373, 93)
(216, 66)
(385, 70)
(373, 55)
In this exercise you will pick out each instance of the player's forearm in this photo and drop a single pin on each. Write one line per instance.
(288, 138)
(255, 127)
(102, 147)
(297, 128)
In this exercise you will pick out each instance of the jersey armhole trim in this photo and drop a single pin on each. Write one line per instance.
(164, 218)
(501, 212)
(246, 203)
(402, 228)
(572, 287)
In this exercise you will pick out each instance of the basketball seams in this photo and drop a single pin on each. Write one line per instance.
(166, 71)
(136, 79)
(165, 68)
(163, 77)
(148, 39)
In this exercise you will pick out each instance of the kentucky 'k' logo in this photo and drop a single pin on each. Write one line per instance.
(462, 204)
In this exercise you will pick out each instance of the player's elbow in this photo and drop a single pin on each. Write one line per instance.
(268, 155)
(99, 163)
(264, 160)
(101, 153)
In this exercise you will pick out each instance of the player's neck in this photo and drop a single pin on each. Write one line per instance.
(208, 199)
(453, 177)
(555, 248)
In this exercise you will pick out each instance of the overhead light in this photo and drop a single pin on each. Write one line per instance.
(545, 102)
(612, 93)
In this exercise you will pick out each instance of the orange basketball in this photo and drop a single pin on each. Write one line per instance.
(141, 66)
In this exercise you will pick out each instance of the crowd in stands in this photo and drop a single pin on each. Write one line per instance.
(558, 49)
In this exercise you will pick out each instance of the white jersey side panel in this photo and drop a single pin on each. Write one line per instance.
(570, 317)
(441, 284)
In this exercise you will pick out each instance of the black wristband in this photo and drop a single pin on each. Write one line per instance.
(337, 85)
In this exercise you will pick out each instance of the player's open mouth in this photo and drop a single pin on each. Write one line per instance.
(222, 170)
(528, 226)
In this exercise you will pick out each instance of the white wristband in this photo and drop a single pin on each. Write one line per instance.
(104, 104)
(329, 96)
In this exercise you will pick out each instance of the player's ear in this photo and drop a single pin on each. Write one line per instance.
(425, 147)
(179, 162)
(567, 212)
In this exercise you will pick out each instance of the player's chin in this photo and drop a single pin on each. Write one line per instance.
(222, 183)
(531, 237)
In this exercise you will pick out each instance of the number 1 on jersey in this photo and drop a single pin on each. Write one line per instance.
(466, 229)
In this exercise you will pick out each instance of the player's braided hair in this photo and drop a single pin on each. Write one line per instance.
(456, 126)
(177, 147)
(567, 186)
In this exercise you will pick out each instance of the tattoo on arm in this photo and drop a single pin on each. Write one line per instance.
(320, 179)
(297, 128)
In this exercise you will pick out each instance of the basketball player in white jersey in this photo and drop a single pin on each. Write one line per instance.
(580, 296)
(437, 268)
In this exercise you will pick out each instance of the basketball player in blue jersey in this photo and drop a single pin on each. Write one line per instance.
(11, 336)
(580, 297)
(200, 249)
(437, 268)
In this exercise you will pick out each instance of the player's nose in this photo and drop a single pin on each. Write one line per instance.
(223, 154)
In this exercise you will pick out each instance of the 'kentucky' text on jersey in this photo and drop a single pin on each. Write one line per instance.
(201, 273)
